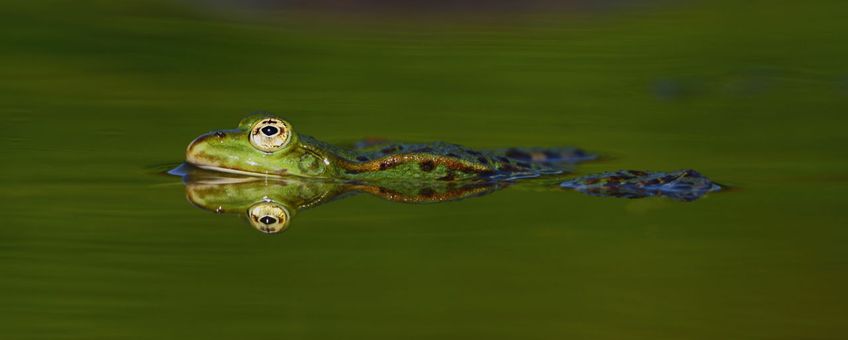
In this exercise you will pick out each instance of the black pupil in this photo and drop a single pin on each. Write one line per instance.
(270, 130)
(268, 220)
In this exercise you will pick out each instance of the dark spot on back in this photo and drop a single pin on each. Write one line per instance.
(389, 149)
(384, 166)
(508, 167)
(518, 154)
(483, 160)
(693, 173)
(427, 166)
(449, 177)
(361, 158)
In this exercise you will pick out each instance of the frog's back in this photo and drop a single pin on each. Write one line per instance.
(446, 161)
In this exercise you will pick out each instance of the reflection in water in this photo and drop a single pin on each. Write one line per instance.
(269, 204)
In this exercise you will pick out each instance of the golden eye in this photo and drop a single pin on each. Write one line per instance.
(268, 217)
(270, 134)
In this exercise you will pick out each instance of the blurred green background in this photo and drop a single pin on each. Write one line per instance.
(97, 95)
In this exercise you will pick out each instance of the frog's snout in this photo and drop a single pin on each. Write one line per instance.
(201, 151)
(205, 138)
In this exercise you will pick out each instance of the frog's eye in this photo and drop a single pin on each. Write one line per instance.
(268, 217)
(270, 134)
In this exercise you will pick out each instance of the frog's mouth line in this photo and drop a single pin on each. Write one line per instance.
(234, 171)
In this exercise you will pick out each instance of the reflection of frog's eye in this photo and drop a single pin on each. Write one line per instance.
(268, 217)
(270, 134)
(267, 220)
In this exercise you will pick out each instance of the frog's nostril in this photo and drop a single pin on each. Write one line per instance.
(220, 134)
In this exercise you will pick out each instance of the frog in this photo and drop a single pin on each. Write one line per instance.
(267, 145)
(264, 145)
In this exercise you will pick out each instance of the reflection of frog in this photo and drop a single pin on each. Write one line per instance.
(270, 203)
(301, 171)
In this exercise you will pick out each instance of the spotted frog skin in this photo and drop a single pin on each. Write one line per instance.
(266, 145)
(266, 171)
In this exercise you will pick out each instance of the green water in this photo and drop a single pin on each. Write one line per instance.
(96, 97)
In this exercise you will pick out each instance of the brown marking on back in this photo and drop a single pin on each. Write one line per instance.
(389, 149)
(449, 177)
(427, 166)
(518, 154)
(392, 161)
(539, 156)
(426, 192)
(508, 167)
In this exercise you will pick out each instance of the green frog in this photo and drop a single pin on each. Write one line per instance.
(266, 145)
(295, 167)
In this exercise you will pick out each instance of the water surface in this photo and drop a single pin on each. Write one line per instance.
(98, 97)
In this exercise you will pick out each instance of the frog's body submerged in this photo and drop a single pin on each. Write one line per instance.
(267, 145)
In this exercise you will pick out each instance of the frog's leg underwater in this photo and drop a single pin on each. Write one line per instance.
(682, 185)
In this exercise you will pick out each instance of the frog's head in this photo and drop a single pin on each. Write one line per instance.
(263, 144)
